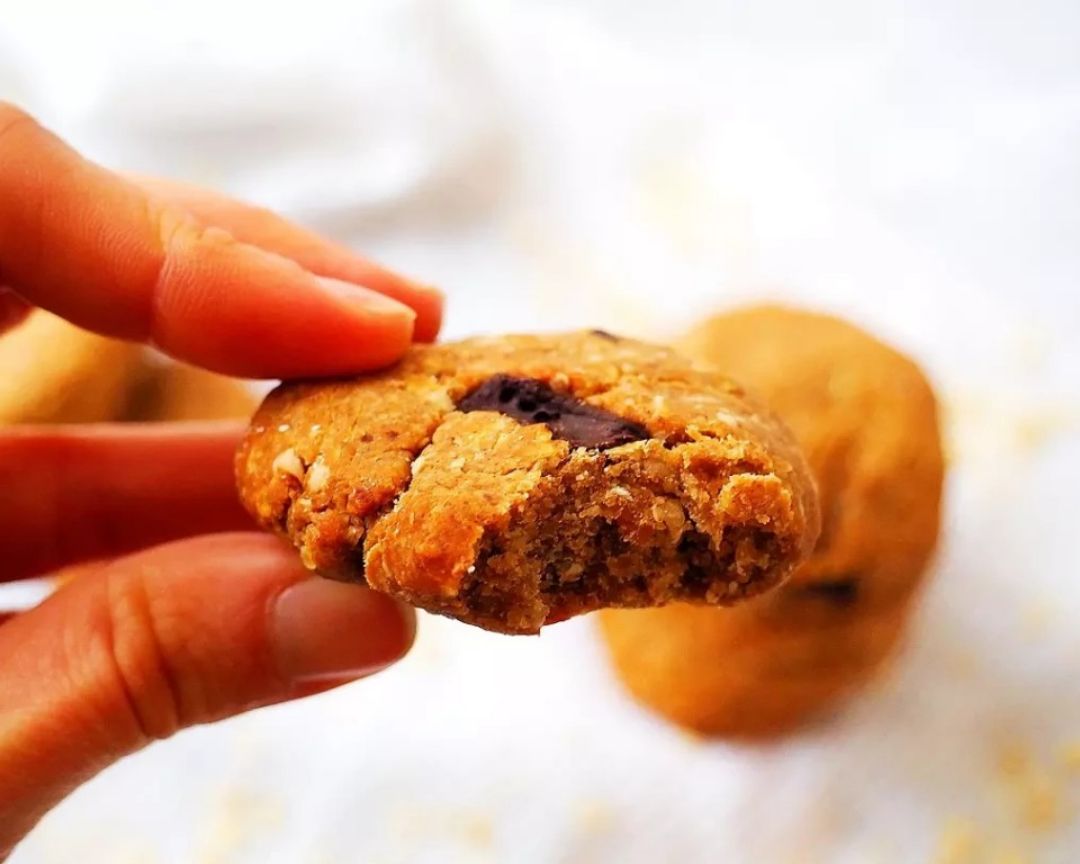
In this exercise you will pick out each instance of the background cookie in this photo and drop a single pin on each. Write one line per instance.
(866, 419)
(516, 481)
(175, 391)
(56, 373)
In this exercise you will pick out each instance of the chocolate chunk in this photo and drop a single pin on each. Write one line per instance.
(840, 592)
(528, 400)
(603, 334)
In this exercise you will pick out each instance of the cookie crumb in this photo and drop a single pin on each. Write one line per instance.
(957, 843)
(1070, 756)
(477, 831)
(1035, 794)
(595, 817)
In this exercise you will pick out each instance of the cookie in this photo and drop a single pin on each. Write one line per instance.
(511, 482)
(56, 373)
(176, 391)
(866, 419)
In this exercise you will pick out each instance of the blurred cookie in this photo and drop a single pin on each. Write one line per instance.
(56, 373)
(866, 420)
(515, 481)
(175, 391)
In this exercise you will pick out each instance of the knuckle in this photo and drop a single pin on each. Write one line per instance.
(182, 241)
(138, 662)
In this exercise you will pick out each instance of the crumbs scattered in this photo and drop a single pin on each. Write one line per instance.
(1070, 757)
(419, 824)
(594, 817)
(981, 428)
(239, 818)
(477, 831)
(1034, 792)
(1035, 429)
(958, 843)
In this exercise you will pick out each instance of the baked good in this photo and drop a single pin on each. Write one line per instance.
(866, 418)
(515, 481)
(176, 391)
(56, 373)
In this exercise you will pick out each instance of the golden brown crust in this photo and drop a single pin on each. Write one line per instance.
(866, 419)
(507, 526)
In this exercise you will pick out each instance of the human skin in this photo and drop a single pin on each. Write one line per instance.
(179, 613)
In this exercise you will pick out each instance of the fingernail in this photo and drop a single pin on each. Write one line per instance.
(424, 288)
(371, 301)
(327, 631)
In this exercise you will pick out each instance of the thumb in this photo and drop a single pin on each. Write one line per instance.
(186, 633)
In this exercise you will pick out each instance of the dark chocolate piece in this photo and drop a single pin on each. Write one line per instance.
(528, 400)
(603, 334)
(841, 592)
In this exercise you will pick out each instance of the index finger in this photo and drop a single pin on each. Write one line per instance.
(107, 255)
(267, 230)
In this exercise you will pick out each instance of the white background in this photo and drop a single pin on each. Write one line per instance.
(632, 165)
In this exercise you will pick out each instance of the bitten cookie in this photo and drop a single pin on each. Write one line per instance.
(516, 481)
(866, 419)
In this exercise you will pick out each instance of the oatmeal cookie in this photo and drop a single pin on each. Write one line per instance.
(56, 373)
(516, 481)
(176, 391)
(866, 418)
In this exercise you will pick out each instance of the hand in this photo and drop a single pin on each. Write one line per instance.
(143, 643)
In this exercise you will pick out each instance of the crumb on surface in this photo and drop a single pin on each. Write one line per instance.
(958, 843)
(1034, 793)
(1070, 756)
(239, 818)
(594, 816)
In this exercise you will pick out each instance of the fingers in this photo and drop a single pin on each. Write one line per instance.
(103, 253)
(78, 493)
(178, 635)
(267, 230)
(13, 309)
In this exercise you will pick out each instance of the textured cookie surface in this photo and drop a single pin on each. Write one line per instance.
(866, 419)
(515, 481)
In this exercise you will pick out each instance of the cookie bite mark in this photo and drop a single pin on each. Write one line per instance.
(529, 400)
(572, 563)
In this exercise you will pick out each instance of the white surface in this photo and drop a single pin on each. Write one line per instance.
(631, 165)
